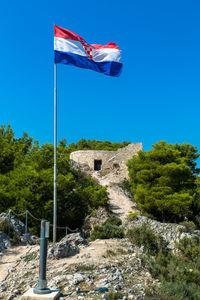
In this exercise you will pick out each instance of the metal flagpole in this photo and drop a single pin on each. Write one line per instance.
(55, 158)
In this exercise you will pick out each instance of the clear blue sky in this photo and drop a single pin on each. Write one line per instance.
(157, 97)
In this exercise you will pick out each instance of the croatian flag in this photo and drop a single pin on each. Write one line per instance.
(71, 49)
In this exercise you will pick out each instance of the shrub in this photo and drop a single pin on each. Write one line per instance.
(126, 187)
(190, 247)
(110, 253)
(132, 216)
(4, 224)
(113, 220)
(93, 213)
(114, 296)
(143, 235)
(121, 251)
(179, 274)
(84, 268)
(197, 221)
(30, 257)
(188, 226)
(106, 231)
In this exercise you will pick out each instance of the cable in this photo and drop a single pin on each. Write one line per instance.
(18, 214)
(58, 227)
(33, 216)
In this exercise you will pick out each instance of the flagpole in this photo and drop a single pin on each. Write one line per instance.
(55, 157)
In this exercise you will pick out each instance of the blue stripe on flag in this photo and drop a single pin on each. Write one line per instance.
(110, 68)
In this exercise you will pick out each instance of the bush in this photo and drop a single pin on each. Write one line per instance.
(188, 226)
(4, 224)
(114, 296)
(179, 274)
(144, 236)
(113, 220)
(30, 257)
(190, 247)
(106, 231)
(126, 187)
(132, 216)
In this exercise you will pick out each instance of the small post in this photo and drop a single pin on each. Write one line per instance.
(26, 228)
(9, 220)
(42, 282)
(66, 230)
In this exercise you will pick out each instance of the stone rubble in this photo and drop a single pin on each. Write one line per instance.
(68, 246)
(4, 242)
(122, 271)
(171, 232)
(19, 229)
(18, 226)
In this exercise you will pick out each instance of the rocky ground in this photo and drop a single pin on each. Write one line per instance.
(85, 270)
(110, 265)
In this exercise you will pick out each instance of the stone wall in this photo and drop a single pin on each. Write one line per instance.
(111, 160)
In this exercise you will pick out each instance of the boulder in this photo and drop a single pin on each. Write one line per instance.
(64, 248)
(19, 229)
(75, 239)
(4, 241)
(18, 226)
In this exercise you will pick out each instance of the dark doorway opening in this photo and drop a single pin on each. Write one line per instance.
(97, 164)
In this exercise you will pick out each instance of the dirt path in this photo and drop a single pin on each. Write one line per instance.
(120, 204)
(11, 259)
(95, 253)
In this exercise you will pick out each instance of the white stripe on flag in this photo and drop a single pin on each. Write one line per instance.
(64, 45)
(75, 47)
(106, 54)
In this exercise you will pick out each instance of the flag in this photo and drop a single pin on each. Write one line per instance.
(71, 49)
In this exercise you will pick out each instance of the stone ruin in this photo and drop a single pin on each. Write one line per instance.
(105, 161)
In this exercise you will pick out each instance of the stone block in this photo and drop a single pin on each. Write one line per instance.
(29, 295)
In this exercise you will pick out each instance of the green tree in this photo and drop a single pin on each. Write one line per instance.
(26, 181)
(163, 181)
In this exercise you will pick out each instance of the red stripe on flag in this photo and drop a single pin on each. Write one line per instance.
(110, 45)
(65, 34)
(69, 35)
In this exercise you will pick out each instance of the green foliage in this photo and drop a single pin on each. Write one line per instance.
(84, 144)
(84, 268)
(4, 227)
(164, 182)
(121, 251)
(190, 248)
(125, 185)
(144, 236)
(30, 257)
(113, 220)
(189, 226)
(26, 182)
(114, 296)
(179, 274)
(110, 253)
(132, 216)
(107, 231)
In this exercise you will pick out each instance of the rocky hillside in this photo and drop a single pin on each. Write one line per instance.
(101, 269)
